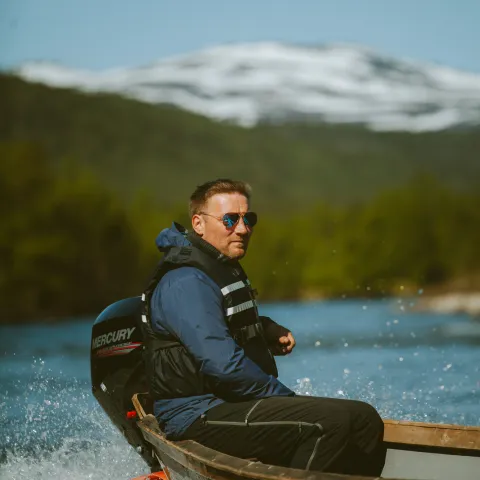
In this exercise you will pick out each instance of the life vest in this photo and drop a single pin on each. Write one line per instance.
(170, 368)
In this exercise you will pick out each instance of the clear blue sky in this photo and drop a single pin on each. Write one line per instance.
(98, 34)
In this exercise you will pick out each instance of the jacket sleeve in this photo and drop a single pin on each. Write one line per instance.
(188, 304)
(267, 322)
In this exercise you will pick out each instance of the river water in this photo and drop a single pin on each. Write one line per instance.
(409, 365)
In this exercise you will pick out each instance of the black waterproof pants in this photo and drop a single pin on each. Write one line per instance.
(312, 433)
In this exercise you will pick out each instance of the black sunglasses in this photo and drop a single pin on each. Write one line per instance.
(231, 219)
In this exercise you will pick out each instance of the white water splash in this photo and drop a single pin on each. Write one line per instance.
(53, 429)
(77, 459)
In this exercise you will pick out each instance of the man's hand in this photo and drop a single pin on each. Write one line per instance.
(280, 340)
(285, 345)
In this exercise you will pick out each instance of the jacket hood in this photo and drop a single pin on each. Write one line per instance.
(175, 236)
(178, 236)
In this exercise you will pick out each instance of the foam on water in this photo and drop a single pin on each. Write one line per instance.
(53, 429)
(77, 459)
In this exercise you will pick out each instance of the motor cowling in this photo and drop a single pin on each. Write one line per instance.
(117, 368)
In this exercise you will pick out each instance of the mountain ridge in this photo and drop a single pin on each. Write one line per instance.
(271, 82)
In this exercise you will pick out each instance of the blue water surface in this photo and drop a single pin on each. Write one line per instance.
(409, 365)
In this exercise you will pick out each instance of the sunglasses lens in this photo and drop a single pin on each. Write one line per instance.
(230, 219)
(250, 219)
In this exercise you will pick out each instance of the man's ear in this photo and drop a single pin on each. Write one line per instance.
(198, 224)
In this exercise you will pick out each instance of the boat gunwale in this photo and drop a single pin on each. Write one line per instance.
(438, 437)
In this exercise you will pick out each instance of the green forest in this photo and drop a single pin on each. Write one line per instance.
(88, 181)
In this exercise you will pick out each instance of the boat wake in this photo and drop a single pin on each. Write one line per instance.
(53, 428)
(76, 459)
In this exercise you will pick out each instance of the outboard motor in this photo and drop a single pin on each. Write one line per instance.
(117, 369)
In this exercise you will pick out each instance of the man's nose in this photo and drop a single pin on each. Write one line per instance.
(241, 227)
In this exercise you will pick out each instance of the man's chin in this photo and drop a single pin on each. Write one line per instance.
(237, 253)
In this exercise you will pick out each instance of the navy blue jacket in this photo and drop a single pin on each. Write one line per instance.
(188, 304)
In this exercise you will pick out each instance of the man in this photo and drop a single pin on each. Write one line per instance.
(209, 360)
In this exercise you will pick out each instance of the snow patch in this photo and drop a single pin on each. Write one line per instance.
(248, 83)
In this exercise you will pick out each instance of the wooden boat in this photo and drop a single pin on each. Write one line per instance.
(417, 451)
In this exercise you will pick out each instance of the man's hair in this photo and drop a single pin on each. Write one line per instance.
(207, 190)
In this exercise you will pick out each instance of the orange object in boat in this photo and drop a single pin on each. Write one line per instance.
(161, 475)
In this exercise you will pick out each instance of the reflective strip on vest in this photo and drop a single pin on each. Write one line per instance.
(232, 287)
(242, 307)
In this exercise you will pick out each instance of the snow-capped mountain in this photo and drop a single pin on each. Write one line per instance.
(249, 83)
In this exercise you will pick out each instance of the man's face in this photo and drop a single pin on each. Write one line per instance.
(232, 242)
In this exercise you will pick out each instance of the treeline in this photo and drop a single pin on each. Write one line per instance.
(67, 246)
(421, 235)
(70, 246)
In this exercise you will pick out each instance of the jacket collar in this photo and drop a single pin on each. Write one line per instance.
(197, 241)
